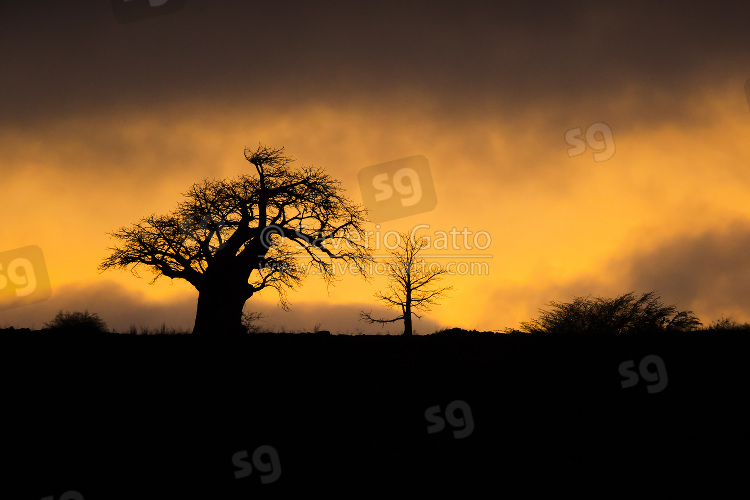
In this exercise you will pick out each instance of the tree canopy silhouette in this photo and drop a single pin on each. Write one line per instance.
(412, 283)
(623, 314)
(233, 238)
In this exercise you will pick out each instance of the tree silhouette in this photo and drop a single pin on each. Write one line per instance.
(623, 314)
(272, 227)
(412, 286)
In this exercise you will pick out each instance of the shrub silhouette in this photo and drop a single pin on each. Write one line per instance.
(623, 314)
(78, 322)
(728, 324)
(249, 319)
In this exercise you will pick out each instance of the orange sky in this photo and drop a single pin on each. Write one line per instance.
(666, 212)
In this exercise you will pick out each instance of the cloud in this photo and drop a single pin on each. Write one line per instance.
(120, 308)
(104, 123)
(336, 318)
(476, 55)
(708, 273)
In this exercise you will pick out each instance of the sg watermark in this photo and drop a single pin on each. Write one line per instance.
(398, 188)
(23, 277)
(127, 11)
(457, 413)
(598, 137)
(265, 459)
(657, 376)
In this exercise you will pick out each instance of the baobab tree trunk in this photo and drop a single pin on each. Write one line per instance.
(219, 311)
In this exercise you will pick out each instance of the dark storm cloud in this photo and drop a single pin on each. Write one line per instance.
(710, 271)
(64, 58)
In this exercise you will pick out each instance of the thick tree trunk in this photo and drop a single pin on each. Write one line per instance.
(219, 312)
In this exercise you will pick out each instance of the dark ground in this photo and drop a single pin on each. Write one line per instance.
(141, 417)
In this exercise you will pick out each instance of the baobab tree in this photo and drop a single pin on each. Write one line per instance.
(412, 285)
(232, 238)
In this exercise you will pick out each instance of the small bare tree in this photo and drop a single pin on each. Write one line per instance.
(412, 283)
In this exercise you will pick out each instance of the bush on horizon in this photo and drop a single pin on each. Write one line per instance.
(625, 314)
(78, 322)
